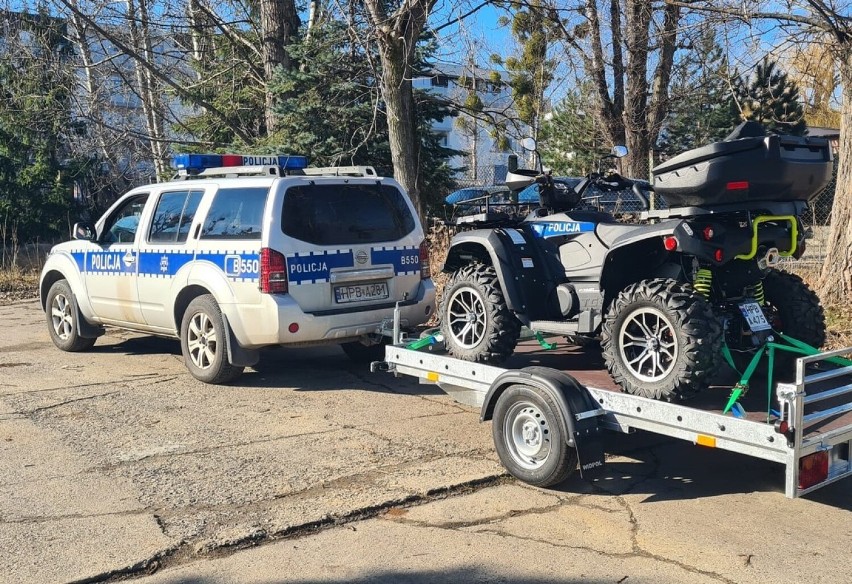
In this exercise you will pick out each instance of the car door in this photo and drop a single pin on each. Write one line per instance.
(111, 264)
(165, 249)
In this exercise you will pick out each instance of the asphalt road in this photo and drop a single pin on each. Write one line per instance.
(116, 464)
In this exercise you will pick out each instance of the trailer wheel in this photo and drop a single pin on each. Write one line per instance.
(661, 340)
(529, 437)
(476, 322)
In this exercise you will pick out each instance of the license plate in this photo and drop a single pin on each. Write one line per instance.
(360, 292)
(755, 319)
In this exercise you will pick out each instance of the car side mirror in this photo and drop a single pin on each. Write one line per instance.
(619, 151)
(84, 231)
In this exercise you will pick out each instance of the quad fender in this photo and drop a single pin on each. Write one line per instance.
(487, 247)
(638, 256)
(571, 397)
(528, 271)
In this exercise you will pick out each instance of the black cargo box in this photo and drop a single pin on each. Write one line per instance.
(765, 168)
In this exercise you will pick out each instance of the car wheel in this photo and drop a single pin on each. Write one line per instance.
(62, 322)
(202, 342)
(529, 438)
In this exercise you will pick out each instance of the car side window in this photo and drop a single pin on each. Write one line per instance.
(236, 213)
(122, 225)
(173, 216)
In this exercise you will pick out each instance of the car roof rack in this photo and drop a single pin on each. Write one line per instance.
(341, 171)
(275, 170)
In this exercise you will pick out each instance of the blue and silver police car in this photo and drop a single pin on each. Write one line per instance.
(242, 252)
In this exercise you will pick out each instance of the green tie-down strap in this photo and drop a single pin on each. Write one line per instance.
(544, 344)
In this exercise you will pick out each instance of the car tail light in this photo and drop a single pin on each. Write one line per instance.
(425, 270)
(273, 272)
(813, 469)
(670, 243)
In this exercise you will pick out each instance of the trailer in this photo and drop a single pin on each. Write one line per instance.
(547, 424)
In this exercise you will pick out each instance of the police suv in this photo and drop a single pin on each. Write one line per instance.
(241, 252)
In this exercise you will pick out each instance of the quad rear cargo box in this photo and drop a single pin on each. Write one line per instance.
(765, 168)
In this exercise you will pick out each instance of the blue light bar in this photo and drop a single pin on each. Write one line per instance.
(199, 162)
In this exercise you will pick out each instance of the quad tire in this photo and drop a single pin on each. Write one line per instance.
(661, 340)
(476, 323)
(799, 313)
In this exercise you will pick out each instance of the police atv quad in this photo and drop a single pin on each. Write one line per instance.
(666, 298)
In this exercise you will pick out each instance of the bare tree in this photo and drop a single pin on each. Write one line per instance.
(807, 19)
(631, 104)
(279, 24)
(396, 32)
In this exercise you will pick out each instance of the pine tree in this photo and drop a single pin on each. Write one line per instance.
(572, 140)
(771, 98)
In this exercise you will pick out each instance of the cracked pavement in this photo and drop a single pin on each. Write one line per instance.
(117, 464)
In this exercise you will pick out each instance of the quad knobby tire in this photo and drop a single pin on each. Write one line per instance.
(661, 340)
(62, 314)
(203, 343)
(529, 437)
(797, 307)
(476, 323)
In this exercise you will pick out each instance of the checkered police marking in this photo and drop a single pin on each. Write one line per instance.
(313, 268)
(405, 259)
(239, 266)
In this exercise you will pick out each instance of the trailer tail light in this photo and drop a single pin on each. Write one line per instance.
(670, 243)
(740, 185)
(273, 272)
(425, 270)
(813, 469)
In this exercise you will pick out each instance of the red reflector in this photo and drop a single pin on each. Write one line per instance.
(294, 327)
(813, 469)
(670, 243)
(273, 272)
(232, 160)
(740, 185)
(718, 255)
(708, 233)
(425, 270)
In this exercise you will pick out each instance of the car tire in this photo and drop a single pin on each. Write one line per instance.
(61, 312)
(476, 322)
(529, 437)
(661, 340)
(203, 343)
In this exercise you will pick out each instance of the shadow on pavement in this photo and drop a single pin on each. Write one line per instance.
(460, 575)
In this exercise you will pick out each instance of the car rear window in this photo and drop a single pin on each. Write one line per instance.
(346, 214)
(236, 213)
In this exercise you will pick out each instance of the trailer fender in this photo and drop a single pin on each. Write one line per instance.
(573, 400)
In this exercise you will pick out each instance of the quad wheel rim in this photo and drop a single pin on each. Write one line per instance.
(527, 435)
(61, 317)
(648, 344)
(202, 341)
(466, 317)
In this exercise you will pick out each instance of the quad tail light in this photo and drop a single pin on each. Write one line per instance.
(273, 272)
(708, 233)
(670, 243)
(813, 469)
(739, 185)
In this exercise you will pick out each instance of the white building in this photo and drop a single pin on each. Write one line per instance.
(485, 161)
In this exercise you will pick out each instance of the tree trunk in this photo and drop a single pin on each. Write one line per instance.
(835, 282)
(398, 95)
(279, 22)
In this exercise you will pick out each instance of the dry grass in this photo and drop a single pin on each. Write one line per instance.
(18, 283)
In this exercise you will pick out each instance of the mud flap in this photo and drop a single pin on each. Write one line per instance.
(589, 446)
